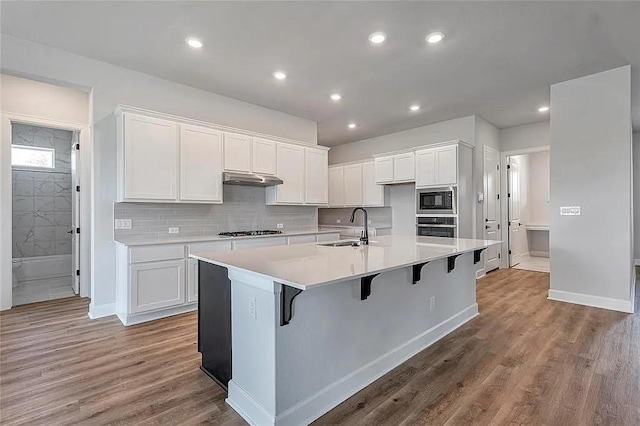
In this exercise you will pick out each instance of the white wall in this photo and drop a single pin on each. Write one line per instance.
(485, 135)
(403, 208)
(591, 167)
(114, 85)
(539, 188)
(28, 99)
(636, 194)
(523, 137)
(459, 128)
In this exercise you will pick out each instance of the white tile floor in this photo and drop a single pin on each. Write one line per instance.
(538, 264)
(40, 290)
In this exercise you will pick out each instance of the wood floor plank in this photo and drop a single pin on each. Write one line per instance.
(525, 360)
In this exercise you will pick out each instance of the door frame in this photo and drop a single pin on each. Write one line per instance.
(84, 136)
(504, 219)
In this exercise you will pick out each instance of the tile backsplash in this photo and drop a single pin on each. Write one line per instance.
(380, 216)
(243, 209)
(41, 203)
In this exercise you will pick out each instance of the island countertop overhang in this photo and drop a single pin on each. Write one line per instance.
(307, 266)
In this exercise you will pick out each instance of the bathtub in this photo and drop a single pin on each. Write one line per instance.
(42, 267)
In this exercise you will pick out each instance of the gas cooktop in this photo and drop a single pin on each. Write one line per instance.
(248, 233)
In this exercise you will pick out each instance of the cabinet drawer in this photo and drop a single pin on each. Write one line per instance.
(157, 285)
(156, 253)
(208, 246)
(259, 242)
(302, 239)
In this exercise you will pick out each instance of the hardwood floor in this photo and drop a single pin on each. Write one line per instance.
(524, 360)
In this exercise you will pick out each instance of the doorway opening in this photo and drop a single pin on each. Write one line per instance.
(528, 211)
(45, 213)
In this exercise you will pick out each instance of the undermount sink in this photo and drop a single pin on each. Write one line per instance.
(350, 243)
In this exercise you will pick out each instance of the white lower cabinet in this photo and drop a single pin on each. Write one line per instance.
(192, 280)
(156, 285)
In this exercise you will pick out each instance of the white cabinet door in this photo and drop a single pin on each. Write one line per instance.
(192, 280)
(353, 185)
(384, 170)
(403, 167)
(425, 167)
(237, 152)
(290, 168)
(336, 186)
(200, 164)
(372, 193)
(156, 285)
(316, 176)
(264, 156)
(150, 158)
(446, 159)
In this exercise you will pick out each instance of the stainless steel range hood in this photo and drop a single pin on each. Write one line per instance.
(250, 179)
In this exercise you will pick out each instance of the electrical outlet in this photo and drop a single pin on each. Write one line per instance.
(174, 230)
(338, 221)
(432, 303)
(280, 226)
(252, 308)
(123, 223)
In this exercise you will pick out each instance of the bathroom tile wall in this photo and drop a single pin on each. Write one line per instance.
(243, 209)
(42, 198)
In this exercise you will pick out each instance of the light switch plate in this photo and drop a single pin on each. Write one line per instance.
(174, 230)
(123, 224)
(570, 211)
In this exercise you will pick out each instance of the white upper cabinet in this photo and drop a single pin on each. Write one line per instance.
(336, 186)
(437, 166)
(425, 167)
(447, 165)
(353, 185)
(290, 167)
(372, 193)
(264, 156)
(316, 176)
(200, 164)
(404, 167)
(147, 159)
(384, 169)
(398, 168)
(237, 152)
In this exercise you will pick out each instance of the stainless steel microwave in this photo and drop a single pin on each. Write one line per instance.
(436, 201)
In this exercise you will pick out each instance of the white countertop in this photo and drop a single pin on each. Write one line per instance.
(171, 239)
(306, 266)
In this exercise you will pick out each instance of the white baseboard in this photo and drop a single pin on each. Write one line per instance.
(315, 406)
(595, 301)
(539, 253)
(150, 316)
(101, 310)
(480, 274)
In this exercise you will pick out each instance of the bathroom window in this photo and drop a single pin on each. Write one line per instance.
(32, 156)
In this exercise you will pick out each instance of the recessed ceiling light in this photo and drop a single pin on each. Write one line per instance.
(194, 42)
(414, 107)
(377, 37)
(434, 37)
(352, 125)
(279, 75)
(336, 96)
(543, 109)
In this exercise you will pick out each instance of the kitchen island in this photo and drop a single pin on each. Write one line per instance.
(312, 324)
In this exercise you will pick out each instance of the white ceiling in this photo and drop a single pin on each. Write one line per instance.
(497, 60)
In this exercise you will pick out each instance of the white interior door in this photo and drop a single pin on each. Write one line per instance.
(492, 207)
(75, 214)
(514, 181)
